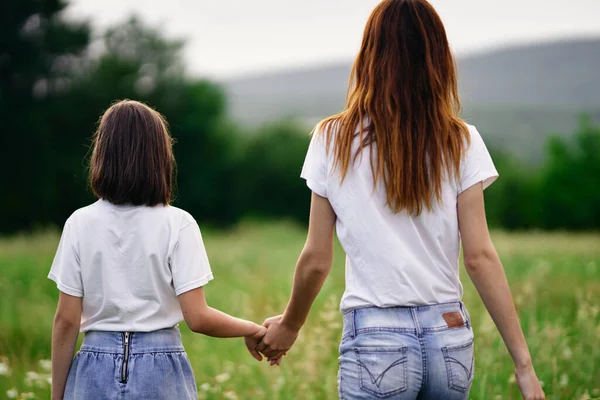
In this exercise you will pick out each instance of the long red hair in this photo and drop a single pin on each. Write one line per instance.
(404, 85)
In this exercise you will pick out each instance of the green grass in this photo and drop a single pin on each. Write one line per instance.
(555, 279)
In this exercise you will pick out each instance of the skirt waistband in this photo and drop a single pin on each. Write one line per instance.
(161, 341)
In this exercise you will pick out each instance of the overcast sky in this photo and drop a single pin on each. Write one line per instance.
(235, 37)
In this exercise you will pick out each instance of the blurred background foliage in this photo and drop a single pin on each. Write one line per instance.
(56, 78)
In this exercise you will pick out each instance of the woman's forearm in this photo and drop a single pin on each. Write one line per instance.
(64, 340)
(311, 272)
(490, 281)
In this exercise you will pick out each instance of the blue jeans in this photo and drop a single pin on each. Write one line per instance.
(137, 365)
(407, 353)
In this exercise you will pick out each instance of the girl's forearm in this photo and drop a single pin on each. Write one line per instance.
(64, 340)
(215, 323)
(490, 281)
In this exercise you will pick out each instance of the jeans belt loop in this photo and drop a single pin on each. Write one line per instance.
(466, 314)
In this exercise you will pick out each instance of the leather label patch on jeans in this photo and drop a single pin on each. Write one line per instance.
(453, 319)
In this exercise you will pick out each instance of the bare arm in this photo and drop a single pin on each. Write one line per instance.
(312, 268)
(65, 330)
(485, 270)
(201, 318)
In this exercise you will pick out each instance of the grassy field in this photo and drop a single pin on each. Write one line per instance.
(555, 279)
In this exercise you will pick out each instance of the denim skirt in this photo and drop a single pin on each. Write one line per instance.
(131, 365)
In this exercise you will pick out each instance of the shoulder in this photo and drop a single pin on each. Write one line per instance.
(473, 132)
(325, 132)
(474, 135)
(83, 213)
(321, 130)
(180, 217)
(474, 141)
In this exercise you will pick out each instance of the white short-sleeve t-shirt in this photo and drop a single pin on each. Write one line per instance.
(395, 259)
(129, 263)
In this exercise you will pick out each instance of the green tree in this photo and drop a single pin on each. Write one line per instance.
(139, 63)
(570, 181)
(38, 51)
(268, 180)
(511, 202)
(53, 92)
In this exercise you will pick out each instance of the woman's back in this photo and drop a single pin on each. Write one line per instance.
(401, 177)
(395, 258)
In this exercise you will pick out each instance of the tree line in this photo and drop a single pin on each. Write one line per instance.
(56, 78)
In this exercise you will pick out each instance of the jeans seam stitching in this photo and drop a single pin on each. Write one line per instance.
(361, 366)
(451, 384)
(384, 329)
(423, 363)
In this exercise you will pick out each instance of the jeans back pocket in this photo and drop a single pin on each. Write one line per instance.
(382, 370)
(459, 365)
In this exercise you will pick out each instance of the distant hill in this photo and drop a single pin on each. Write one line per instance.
(516, 96)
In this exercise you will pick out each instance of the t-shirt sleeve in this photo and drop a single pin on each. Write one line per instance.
(189, 263)
(66, 267)
(477, 164)
(314, 170)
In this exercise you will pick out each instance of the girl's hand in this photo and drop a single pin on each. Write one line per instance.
(276, 361)
(253, 340)
(528, 383)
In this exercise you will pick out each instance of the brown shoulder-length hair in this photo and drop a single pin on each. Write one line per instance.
(132, 159)
(404, 84)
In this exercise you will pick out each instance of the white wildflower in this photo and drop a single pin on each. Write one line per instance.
(564, 380)
(205, 387)
(46, 365)
(4, 367)
(12, 393)
(223, 377)
(31, 377)
(567, 353)
(585, 396)
(230, 395)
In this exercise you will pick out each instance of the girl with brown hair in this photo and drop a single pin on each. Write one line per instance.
(129, 268)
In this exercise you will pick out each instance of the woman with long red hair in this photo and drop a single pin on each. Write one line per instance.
(401, 177)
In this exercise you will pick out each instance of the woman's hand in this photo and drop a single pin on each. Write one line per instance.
(312, 268)
(278, 340)
(529, 385)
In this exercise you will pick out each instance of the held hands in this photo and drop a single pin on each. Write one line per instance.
(253, 340)
(277, 338)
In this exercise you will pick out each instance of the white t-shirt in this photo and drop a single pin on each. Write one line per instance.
(395, 259)
(129, 263)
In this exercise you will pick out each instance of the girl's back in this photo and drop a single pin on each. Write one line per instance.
(129, 269)
(130, 263)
